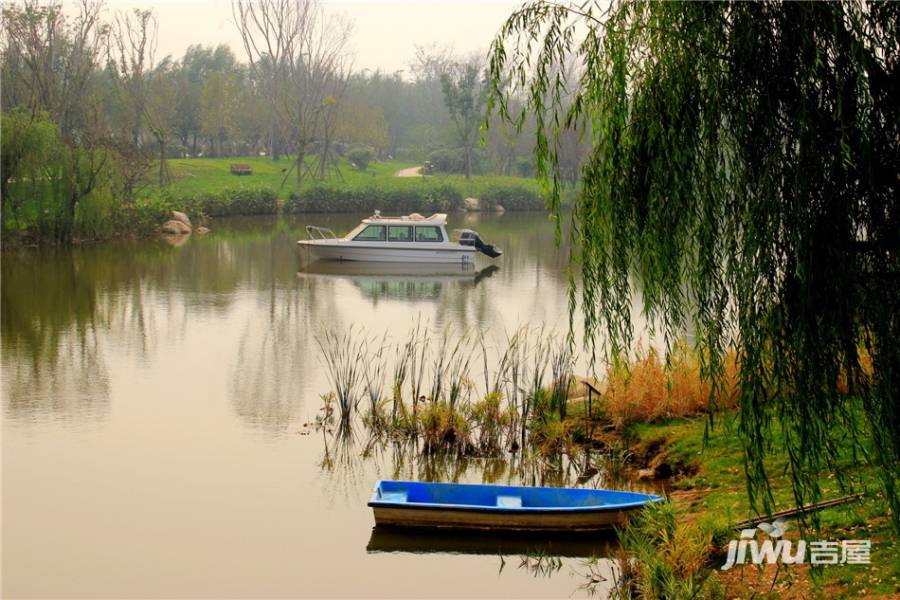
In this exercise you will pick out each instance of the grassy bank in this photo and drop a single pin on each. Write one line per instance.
(205, 188)
(656, 421)
(711, 494)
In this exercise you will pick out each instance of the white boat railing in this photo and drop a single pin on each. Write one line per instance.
(319, 233)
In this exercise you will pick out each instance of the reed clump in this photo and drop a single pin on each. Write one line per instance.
(342, 355)
(457, 393)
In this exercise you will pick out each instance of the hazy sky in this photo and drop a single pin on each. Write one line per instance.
(385, 33)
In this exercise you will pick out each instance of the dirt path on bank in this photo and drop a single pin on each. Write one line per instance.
(410, 172)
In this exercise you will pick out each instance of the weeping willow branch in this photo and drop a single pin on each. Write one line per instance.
(743, 171)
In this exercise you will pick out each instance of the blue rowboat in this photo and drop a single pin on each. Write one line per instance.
(497, 507)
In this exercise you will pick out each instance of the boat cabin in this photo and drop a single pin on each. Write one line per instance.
(408, 228)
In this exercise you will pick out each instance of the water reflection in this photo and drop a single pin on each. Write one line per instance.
(66, 313)
(398, 280)
(385, 539)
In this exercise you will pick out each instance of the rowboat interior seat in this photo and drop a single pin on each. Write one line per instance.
(509, 501)
(394, 496)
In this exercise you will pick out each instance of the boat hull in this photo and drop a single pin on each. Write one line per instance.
(456, 519)
(394, 253)
(503, 508)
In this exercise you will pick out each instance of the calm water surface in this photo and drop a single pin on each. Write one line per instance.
(154, 398)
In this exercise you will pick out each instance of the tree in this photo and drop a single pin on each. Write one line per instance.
(196, 67)
(218, 108)
(53, 57)
(159, 113)
(301, 53)
(465, 97)
(743, 165)
(360, 123)
(131, 56)
(27, 143)
(54, 61)
(269, 30)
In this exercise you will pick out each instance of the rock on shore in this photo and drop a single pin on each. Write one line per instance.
(174, 227)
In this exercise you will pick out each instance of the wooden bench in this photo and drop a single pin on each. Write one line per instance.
(241, 170)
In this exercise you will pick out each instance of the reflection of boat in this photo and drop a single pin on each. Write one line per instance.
(399, 280)
(392, 539)
(397, 270)
(495, 507)
(408, 239)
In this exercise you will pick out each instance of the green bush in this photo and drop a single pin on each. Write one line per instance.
(323, 198)
(448, 161)
(361, 156)
(253, 201)
(511, 198)
(148, 214)
(453, 160)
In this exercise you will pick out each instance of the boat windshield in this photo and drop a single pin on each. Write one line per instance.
(371, 233)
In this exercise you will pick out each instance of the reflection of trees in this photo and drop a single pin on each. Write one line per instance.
(66, 379)
(273, 358)
(276, 354)
(60, 309)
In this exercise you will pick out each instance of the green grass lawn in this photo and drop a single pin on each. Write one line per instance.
(212, 175)
(717, 492)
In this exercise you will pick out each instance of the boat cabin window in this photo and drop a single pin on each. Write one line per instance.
(372, 233)
(400, 233)
(426, 233)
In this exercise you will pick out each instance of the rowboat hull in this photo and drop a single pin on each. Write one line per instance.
(475, 520)
(502, 508)
(440, 253)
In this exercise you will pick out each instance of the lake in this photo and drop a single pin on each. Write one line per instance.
(156, 401)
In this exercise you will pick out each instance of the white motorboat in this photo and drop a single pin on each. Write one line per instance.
(408, 239)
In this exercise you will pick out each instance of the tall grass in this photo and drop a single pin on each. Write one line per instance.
(373, 378)
(399, 375)
(343, 357)
(646, 389)
(662, 557)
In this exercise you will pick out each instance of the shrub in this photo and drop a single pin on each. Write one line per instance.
(453, 160)
(147, 214)
(251, 201)
(325, 198)
(446, 160)
(511, 197)
(361, 156)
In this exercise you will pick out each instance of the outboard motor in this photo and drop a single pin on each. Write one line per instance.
(468, 237)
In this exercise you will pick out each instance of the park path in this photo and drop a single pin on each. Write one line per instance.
(410, 172)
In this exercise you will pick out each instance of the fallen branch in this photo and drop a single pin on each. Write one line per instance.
(793, 512)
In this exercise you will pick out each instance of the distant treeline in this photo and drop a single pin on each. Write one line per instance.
(91, 113)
